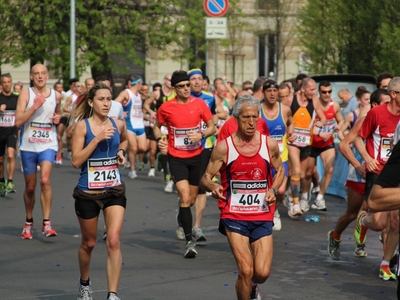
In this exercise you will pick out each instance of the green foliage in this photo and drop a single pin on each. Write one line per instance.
(351, 36)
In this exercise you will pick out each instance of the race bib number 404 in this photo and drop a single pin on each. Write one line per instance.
(40, 132)
(248, 196)
(7, 118)
(103, 173)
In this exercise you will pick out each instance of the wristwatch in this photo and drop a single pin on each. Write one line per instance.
(275, 191)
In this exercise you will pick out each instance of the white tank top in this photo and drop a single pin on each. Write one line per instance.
(135, 112)
(39, 133)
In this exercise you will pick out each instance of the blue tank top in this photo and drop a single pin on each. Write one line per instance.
(209, 99)
(100, 171)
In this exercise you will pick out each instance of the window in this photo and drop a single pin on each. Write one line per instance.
(266, 54)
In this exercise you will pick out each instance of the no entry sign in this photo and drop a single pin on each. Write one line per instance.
(216, 8)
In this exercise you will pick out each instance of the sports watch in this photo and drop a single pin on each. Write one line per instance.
(275, 191)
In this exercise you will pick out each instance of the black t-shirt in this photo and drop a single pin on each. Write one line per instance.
(389, 176)
(11, 105)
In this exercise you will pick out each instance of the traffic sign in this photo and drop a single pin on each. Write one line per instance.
(216, 28)
(216, 8)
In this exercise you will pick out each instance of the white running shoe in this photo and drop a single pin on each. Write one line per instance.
(132, 174)
(152, 172)
(319, 204)
(277, 221)
(294, 211)
(304, 206)
(169, 187)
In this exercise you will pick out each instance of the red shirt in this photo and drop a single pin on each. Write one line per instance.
(231, 126)
(246, 180)
(330, 115)
(377, 130)
(181, 118)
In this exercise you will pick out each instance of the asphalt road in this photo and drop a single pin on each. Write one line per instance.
(153, 263)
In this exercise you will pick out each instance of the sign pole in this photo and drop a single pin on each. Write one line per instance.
(215, 59)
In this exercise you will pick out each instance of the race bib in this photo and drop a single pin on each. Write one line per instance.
(103, 173)
(137, 111)
(248, 196)
(279, 140)
(329, 127)
(301, 137)
(7, 118)
(40, 132)
(385, 149)
(182, 141)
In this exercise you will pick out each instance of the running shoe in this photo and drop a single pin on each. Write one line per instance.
(180, 233)
(145, 158)
(47, 230)
(152, 172)
(333, 247)
(386, 274)
(198, 235)
(113, 297)
(215, 179)
(360, 232)
(3, 190)
(10, 187)
(141, 166)
(169, 187)
(27, 231)
(277, 221)
(190, 251)
(315, 190)
(304, 206)
(255, 293)
(132, 174)
(294, 211)
(85, 292)
(360, 250)
(59, 161)
(319, 204)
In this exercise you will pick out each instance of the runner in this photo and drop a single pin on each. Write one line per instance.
(38, 111)
(280, 126)
(323, 145)
(304, 107)
(157, 98)
(377, 131)
(8, 134)
(356, 177)
(247, 195)
(184, 147)
(99, 144)
(132, 103)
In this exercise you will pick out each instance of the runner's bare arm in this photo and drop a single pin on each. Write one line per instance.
(345, 126)
(122, 97)
(217, 160)
(319, 111)
(146, 105)
(338, 115)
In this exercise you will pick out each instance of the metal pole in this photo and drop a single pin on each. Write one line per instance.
(215, 59)
(72, 41)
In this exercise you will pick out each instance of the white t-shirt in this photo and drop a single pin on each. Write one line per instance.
(116, 111)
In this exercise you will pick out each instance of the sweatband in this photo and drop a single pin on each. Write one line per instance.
(270, 84)
(195, 72)
(136, 81)
(176, 79)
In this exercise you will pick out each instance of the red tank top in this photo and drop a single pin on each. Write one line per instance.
(246, 179)
(330, 115)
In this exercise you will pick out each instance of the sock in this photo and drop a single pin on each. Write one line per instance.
(320, 197)
(109, 294)
(9, 180)
(304, 196)
(295, 188)
(29, 220)
(362, 222)
(335, 236)
(384, 263)
(185, 216)
(84, 282)
(45, 220)
(2, 180)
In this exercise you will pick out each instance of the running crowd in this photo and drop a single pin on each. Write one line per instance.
(253, 148)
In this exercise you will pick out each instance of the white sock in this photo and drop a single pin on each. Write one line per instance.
(384, 263)
(320, 197)
(304, 196)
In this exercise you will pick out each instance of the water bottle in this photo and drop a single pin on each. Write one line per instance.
(311, 218)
